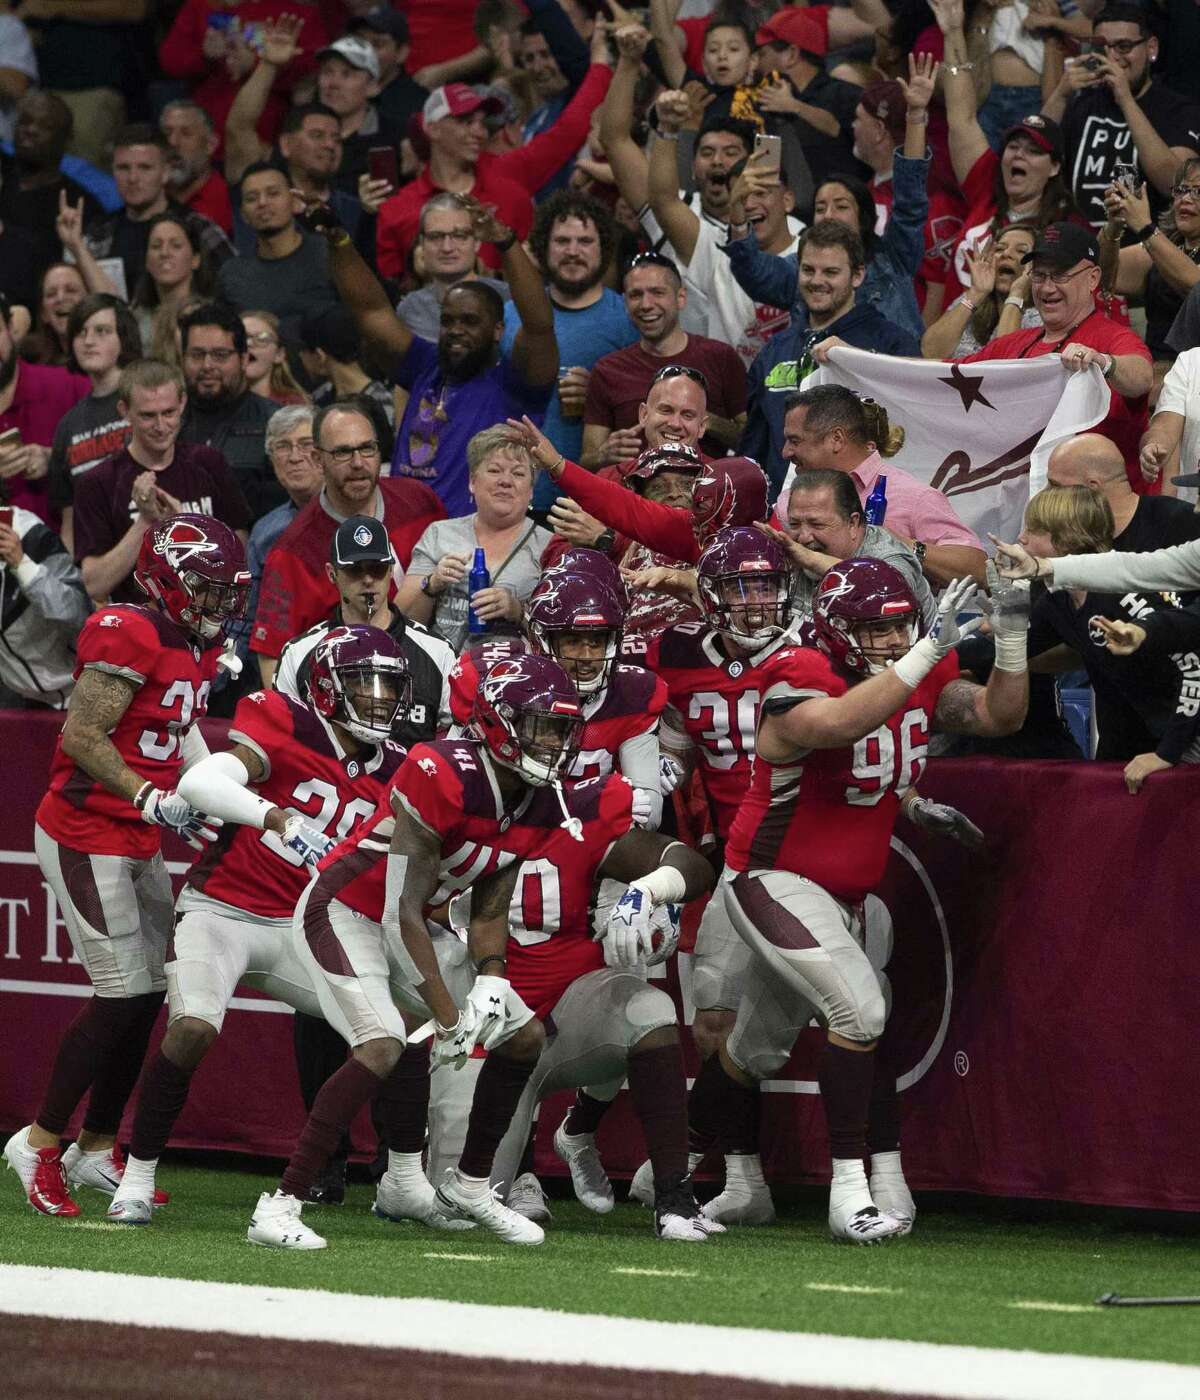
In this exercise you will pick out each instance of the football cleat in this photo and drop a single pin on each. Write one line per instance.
(129, 1212)
(862, 1225)
(416, 1201)
(527, 1198)
(889, 1190)
(102, 1171)
(676, 1214)
(276, 1223)
(588, 1177)
(41, 1174)
(468, 1200)
(746, 1199)
(329, 1189)
(641, 1188)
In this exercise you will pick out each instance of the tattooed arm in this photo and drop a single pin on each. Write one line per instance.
(987, 711)
(94, 711)
(487, 934)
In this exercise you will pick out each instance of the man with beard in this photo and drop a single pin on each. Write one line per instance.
(191, 179)
(288, 272)
(620, 382)
(221, 410)
(832, 266)
(572, 240)
(464, 382)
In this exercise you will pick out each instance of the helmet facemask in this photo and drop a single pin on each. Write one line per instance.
(211, 604)
(750, 607)
(547, 744)
(592, 651)
(374, 698)
(878, 643)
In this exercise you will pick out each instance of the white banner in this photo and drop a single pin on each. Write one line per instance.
(981, 433)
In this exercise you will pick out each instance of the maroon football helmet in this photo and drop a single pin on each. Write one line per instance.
(730, 491)
(360, 679)
(567, 602)
(670, 457)
(527, 713)
(856, 593)
(745, 584)
(194, 568)
(595, 565)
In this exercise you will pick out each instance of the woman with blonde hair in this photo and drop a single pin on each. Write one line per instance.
(1127, 641)
(269, 375)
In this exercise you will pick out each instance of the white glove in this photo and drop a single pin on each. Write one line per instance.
(913, 668)
(488, 1001)
(664, 932)
(643, 807)
(670, 774)
(452, 1045)
(1007, 610)
(167, 809)
(306, 841)
(629, 933)
(943, 820)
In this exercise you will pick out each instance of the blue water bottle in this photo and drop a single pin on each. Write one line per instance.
(479, 579)
(876, 508)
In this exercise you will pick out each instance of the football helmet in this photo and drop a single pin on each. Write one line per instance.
(745, 585)
(567, 602)
(595, 565)
(194, 568)
(527, 713)
(730, 491)
(360, 680)
(670, 457)
(859, 593)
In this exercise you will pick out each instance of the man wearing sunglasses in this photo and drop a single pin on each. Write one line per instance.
(1112, 112)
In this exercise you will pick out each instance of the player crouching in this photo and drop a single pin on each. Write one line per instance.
(843, 735)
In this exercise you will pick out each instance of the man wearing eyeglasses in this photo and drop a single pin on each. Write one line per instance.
(296, 588)
(1065, 276)
(1112, 112)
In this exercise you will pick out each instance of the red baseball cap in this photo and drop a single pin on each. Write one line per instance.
(806, 29)
(456, 100)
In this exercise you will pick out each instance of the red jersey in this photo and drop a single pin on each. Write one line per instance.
(829, 813)
(627, 707)
(716, 700)
(173, 676)
(306, 774)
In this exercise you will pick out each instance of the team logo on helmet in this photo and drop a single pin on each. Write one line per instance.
(179, 542)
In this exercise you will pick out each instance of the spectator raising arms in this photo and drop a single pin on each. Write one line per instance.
(996, 302)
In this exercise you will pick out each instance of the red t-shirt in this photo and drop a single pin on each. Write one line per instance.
(43, 394)
(439, 30)
(212, 200)
(1127, 419)
(296, 592)
(828, 814)
(172, 676)
(621, 380)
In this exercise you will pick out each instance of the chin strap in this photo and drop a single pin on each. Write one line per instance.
(571, 825)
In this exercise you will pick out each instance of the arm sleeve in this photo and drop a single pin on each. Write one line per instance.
(229, 501)
(543, 157)
(764, 277)
(1178, 568)
(904, 238)
(1184, 726)
(1172, 629)
(638, 761)
(756, 436)
(665, 529)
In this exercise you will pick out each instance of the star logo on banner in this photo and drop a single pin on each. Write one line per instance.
(969, 390)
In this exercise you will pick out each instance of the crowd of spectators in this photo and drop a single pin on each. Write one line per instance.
(637, 227)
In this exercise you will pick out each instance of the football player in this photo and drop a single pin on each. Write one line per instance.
(142, 681)
(843, 734)
(297, 779)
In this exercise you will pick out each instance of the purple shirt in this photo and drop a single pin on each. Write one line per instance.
(44, 393)
(441, 418)
(199, 478)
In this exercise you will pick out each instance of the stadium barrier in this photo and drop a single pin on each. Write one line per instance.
(1044, 996)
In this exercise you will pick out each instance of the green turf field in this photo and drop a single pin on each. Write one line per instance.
(954, 1280)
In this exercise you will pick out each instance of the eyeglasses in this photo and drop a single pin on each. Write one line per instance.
(368, 451)
(262, 338)
(1185, 191)
(1122, 46)
(675, 371)
(303, 448)
(454, 235)
(1060, 279)
(218, 357)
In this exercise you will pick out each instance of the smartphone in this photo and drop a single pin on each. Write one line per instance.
(11, 439)
(382, 165)
(1126, 176)
(6, 516)
(772, 158)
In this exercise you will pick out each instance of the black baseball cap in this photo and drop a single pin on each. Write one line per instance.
(1042, 131)
(382, 20)
(360, 539)
(1063, 245)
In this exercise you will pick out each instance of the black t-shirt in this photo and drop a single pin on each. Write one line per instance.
(36, 210)
(85, 436)
(401, 99)
(1044, 733)
(1158, 523)
(290, 287)
(238, 432)
(828, 155)
(1097, 138)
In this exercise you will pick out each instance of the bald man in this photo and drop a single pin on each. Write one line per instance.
(1141, 522)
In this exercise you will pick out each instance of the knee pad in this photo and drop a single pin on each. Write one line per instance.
(196, 989)
(754, 1056)
(864, 1022)
(648, 1009)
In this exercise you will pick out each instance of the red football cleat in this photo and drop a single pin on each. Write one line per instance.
(42, 1176)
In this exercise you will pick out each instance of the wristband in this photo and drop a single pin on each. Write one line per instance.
(339, 239)
(1010, 651)
(1018, 302)
(954, 69)
(919, 115)
(664, 885)
(139, 800)
(1143, 235)
(1110, 368)
(667, 135)
(912, 669)
(966, 301)
(491, 958)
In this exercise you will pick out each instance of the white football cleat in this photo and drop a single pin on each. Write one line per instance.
(746, 1199)
(641, 1188)
(852, 1223)
(527, 1198)
(276, 1223)
(592, 1186)
(129, 1212)
(889, 1190)
(469, 1200)
(678, 1217)
(413, 1201)
(102, 1171)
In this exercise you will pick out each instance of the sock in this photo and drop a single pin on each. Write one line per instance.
(401, 1108)
(137, 1184)
(585, 1114)
(332, 1113)
(849, 1184)
(85, 1046)
(883, 1120)
(118, 1071)
(526, 1162)
(407, 1170)
(320, 1052)
(745, 1167)
(499, 1087)
(163, 1095)
(659, 1091)
(721, 1112)
(845, 1078)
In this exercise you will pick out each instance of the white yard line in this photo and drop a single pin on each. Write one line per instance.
(850, 1288)
(465, 1258)
(542, 1336)
(1033, 1305)
(657, 1273)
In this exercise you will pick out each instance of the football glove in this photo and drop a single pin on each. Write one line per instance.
(1007, 610)
(948, 632)
(943, 820)
(306, 841)
(629, 933)
(643, 808)
(452, 1045)
(670, 774)
(487, 1001)
(664, 933)
(167, 809)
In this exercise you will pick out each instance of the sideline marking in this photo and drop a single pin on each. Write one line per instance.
(850, 1288)
(466, 1258)
(658, 1273)
(539, 1335)
(1033, 1305)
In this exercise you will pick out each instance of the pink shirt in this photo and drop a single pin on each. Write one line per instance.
(915, 510)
